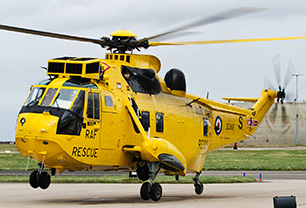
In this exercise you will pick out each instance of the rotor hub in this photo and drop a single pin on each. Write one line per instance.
(123, 41)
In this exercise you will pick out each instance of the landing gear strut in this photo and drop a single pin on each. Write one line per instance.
(198, 186)
(39, 178)
(149, 189)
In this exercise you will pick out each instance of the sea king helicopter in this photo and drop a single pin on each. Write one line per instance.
(117, 114)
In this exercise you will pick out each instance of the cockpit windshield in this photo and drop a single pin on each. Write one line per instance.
(64, 98)
(35, 96)
(57, 98)
(66, 101)
(68, 96)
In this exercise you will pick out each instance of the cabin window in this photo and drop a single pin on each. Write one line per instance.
(35, 96)
(128, 59)
(159, 122)
(206, 127)
(93, 107)
(141, 80)
(97, 106)
(108, 101)
(90, 106)
(145, 120)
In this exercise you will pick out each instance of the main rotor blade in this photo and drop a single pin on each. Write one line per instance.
(219, 17)
(51, 35)
(223, 41)
(276, 67)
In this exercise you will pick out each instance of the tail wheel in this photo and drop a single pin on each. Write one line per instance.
(156, 192)
(145, 191)
(44, 180)
(34, 179)
(199, 188)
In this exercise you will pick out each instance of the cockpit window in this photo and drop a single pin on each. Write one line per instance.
(78, 105)
(35, 96)
(141, 80)
(48, 97)
(64, 98)
(79, 83)
(44, 82)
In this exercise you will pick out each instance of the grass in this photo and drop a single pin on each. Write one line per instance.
(218, 160)
(15, 161)
(125, 179)
(6, 147)
(272, 160)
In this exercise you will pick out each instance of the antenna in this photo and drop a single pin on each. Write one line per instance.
(297, 107)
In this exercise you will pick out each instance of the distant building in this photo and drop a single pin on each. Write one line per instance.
(279, 125)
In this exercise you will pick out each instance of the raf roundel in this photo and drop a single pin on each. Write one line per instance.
(218, 125)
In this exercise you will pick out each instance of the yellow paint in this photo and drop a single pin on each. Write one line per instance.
(108, 139)
(226, 41)
(123, 33)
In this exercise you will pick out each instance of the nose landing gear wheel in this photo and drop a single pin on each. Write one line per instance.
(34, 179)
(44, 180)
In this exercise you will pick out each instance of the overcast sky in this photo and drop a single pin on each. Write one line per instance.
(222, 70)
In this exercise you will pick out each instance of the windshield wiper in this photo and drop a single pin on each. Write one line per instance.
(35, 100)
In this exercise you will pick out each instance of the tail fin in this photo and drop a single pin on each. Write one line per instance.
(262, 106)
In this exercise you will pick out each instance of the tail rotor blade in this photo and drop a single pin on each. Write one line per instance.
(268, 84)
(289, 72)
(290, 96)
(284, 116)
(272, 115)
(276, 66)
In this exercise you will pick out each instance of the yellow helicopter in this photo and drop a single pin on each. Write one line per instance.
(117, 114)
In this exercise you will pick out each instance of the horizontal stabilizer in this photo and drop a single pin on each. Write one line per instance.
(252, 100)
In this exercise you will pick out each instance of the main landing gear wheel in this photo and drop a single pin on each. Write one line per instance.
(148, 191)
(145, 191)
(156, 192)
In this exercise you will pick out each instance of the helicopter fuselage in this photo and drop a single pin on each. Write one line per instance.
(107, 120)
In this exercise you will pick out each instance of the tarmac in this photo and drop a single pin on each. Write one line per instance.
(250, 195)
